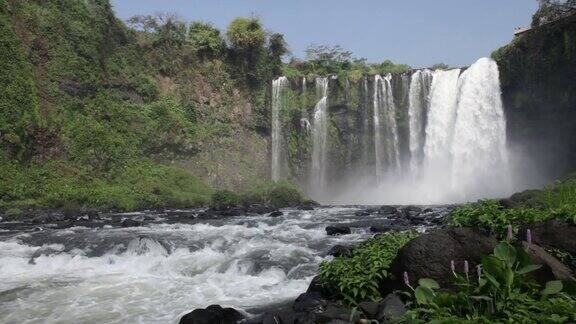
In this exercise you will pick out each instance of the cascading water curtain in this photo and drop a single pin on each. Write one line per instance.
(277, 165)
(320, 137)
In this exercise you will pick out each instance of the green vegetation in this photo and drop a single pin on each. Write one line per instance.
(325, 60)
(503, 291)
(558, 201)
(98, 114)
(278, 194)
(355, 278)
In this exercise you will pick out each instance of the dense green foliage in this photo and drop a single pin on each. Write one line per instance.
(206, 40)
(19, 101)
(356, 278)
(98, 107)
(326, 60)
(558, 201)
(278, 194)
(140, 185)
(503, 291)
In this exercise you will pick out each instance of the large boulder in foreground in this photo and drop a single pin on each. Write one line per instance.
(213, 314)
(429, 256)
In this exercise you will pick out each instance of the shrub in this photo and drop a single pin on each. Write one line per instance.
(225, 199)
(246, 33)
(206, 40)
(356, 278)
(278, 194)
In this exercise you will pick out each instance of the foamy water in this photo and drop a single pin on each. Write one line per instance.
(157, 273)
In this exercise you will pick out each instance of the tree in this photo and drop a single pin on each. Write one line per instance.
(277, 46)
(206, 40)
(246, 34)
(440, 66)
(551, 10)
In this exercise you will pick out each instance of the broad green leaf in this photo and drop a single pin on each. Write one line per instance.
(529, 268)
(506, 253)
(424, 295)
(428, 283)
(492, 280)
(552, 287)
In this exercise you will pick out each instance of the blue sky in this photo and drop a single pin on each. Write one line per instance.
(416, 32)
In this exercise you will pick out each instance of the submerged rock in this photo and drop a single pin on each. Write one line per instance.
(213, 314)
(338, 230)
(128, 222)
(276, 213)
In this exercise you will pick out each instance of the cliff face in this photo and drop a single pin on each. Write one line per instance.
(538, 75)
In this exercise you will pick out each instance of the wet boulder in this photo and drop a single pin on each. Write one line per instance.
(213, 314)
(387, 210)
(429, 255)
(129, 222)
(276, 213)
(388, 309)
(338, 230)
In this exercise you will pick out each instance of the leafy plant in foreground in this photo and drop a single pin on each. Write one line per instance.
(502, 290)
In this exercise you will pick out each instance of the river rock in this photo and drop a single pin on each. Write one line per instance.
(276, 213)
(340, 250)
(526, 198)
(386, 210)
(213, 314)
(390, 308)
(552, 234)
(129, 222)
(310, 302)
(338, 230)
(429, 255)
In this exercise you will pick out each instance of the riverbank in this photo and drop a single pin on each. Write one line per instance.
(523, 246)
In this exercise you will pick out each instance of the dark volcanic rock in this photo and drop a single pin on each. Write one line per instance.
(340, 250)
(316, 286)
(385, 210)
(429, 255)
(310, 302)
(338, 230)
(380, 228)
(390, 308)
(526, 198)
(213, 314)
(276, 213)
(128, 222)
(552, 234)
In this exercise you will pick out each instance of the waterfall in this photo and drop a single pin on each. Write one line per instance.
(387, 157)
(278, 87)
(438, 136)
(418, 102)
(320, 136)
(479, 153)
(440, 121)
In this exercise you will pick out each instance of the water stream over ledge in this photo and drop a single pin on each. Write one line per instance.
(103, 273)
